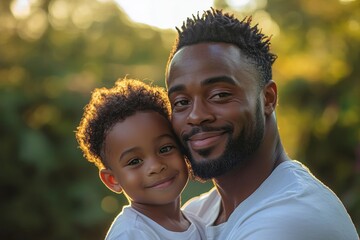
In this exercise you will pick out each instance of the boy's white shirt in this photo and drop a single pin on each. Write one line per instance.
(131, 224)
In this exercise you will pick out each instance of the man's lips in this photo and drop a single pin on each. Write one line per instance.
(205, 139)
(163, 183)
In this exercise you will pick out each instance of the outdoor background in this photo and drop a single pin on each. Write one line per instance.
(53, 53)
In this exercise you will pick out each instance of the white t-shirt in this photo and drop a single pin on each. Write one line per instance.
(132, 225)
(291, 204)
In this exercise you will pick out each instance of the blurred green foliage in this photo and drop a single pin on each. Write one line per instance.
(53, 57)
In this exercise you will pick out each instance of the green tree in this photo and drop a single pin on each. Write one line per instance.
(51, 59)
(55, 52)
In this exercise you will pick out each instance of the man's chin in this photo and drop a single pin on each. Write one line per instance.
(204, 163)
(206, 168)
(205, 155)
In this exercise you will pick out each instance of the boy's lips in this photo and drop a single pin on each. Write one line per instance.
(163, 183)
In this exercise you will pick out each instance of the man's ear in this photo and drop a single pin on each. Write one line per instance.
(108, 178)
(270, 95)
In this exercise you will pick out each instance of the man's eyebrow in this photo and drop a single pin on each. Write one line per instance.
(219, 79)
(176, 88)
(208, 81)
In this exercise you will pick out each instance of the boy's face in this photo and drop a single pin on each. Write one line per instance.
(145, 160)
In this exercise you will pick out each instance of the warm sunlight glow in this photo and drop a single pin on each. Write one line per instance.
(163, 13)
(346, 1)
(238, 3)
(110, 204)
(20, 8)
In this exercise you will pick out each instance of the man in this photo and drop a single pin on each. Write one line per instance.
(219, 79)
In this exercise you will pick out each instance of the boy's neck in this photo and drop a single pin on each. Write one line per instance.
(168, 216)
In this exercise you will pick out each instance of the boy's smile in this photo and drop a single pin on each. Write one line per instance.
(163, 183)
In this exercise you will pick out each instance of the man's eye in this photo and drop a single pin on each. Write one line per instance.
(181, 103)
(166, 149)
(134, 161)
(220, 95)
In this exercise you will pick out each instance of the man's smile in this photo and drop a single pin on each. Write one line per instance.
(204, 140)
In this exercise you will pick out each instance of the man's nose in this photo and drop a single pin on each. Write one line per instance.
(200, 113)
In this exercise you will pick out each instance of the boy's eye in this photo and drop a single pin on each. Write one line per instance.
(134, 161)
(166, 149)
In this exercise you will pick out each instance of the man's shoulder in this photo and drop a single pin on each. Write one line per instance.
(291, 223)
(290, 204)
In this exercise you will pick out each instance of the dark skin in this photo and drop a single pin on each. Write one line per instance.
(253, 174)
(149, 168)
(197, 99)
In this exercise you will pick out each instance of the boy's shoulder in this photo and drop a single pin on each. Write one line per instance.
(126, 225)
(130, 224)
(206, 206)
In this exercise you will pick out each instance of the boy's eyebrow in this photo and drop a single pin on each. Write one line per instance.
(128, 151)
(208, 81)
(168, 136)
(165, 135)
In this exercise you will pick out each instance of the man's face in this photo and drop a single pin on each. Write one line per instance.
(217, 106)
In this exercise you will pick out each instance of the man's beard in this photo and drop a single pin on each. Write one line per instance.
(237, 151)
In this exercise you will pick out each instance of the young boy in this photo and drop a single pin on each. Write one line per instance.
(125, 131)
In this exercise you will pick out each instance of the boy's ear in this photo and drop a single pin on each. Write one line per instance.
(109, 180)
(270, 93)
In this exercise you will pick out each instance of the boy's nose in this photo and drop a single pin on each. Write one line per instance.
(156, 166)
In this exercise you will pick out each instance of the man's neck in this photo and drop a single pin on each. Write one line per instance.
(239, 183)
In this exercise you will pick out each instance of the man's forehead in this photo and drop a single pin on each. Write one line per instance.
(206, 48)
(203, 56)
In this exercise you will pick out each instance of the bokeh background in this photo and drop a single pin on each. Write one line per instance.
(53, 53)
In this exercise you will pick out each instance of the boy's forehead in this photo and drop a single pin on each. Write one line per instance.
(141, 123)
(142, 132)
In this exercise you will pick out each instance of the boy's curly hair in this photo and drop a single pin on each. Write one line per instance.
(216, 26)
(110, 106)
